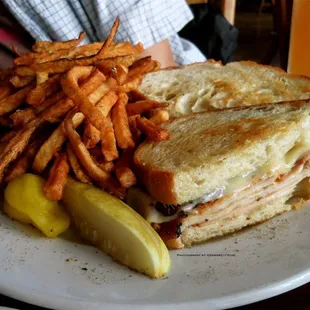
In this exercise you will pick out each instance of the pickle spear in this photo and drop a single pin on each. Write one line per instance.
(25, 202)
(116, 229)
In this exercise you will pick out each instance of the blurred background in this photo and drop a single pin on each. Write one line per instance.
(270, 32)
(257, 30)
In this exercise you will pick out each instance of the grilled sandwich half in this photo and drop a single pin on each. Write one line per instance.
(210, 85)
(224, 170)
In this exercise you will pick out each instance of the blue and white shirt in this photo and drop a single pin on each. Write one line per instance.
(146, 21)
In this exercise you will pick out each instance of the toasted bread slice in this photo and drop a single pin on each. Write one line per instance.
(210, 85)
(208, 150)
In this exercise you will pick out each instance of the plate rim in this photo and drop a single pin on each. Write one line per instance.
(242, 298)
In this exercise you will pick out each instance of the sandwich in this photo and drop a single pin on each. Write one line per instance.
(210, 85)
(224, 170)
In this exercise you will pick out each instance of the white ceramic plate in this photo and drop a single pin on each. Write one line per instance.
(252, 265)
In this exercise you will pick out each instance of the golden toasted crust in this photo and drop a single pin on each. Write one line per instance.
(210, 85)
(158, 183)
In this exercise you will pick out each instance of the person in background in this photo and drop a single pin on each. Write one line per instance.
(155, 23)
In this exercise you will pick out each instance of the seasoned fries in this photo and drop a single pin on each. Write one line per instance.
(121, 125)
(142, 66)
(152, 131)
(142, 106)
(21, 117)
(5, 91)
(91, 135)
(43, 90)
(40, 47)
(100, 176)
(17, 145)
(76, 167)
(123, 172)
(108, 142)
(21, 81)
(57, 139)
(12, 102)
(76, 98)
(23, 163)
(54, 186)
(131, 84)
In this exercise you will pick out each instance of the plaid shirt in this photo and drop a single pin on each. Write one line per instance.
(146, 21)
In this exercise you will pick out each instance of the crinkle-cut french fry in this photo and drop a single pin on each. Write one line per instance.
(57, 178)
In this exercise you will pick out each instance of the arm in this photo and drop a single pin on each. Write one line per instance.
(161, 52)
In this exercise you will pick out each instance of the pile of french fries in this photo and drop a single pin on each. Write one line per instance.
(69, 109)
